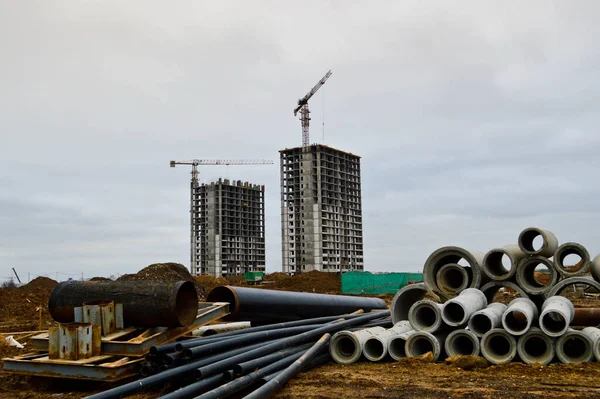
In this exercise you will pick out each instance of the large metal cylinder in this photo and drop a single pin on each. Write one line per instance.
(258, 305)
(572, 248)
(557, 315)
(456, 312)
(536, 347)
(486, 319)
(549, 242)
(494, 268)
(519, 316)
(145, 303)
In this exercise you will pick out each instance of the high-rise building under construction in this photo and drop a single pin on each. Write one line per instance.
(321, 210)
(229, 236)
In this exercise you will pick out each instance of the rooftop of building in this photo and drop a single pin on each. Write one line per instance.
(321, 146)
(235, 183)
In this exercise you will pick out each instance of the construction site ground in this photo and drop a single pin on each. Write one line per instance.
(410, 378)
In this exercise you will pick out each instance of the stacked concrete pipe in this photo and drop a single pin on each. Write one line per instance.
(457, 311)
(375, 347)
(346, 347)
(426, 315)
(487, 319)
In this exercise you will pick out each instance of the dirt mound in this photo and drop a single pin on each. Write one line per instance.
(40, 283)
(19, 310)
(210, 282)
(165, 272)
(314, 281)
(102, 278)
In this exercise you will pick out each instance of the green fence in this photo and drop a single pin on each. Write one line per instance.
(378, 283)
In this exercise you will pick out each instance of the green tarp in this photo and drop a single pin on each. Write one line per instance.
(377, 283)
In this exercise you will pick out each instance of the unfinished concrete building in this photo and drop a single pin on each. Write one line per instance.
(321, 211)
(228, 236)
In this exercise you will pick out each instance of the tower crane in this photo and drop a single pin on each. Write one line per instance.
(303, 108)
(194, 184)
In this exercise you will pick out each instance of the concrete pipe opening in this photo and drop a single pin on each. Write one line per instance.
(515, 321)
(344, 348)
(454, 256)
(536, 275)
(574, 347)
(453, 278)
(419, 346)
(554, 323)
(404, 299)
(498, 346)
(462, 342)
(454, 313)
(497, 265)
(425, 316)
(534, 241)
(374, 349)
(480, 324)
(397, 348)
(572, 259)
(536, 348)
(574, 283)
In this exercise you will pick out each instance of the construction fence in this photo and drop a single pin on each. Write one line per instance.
(377, 283)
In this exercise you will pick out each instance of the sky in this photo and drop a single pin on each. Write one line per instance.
(474, 120)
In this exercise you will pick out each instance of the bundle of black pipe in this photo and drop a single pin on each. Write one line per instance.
(225, 361)
(258, 305)
(145, 303)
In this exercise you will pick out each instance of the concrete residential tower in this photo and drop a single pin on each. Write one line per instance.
(321, 211)
(230, 228)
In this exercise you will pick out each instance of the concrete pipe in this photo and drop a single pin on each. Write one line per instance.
(574, 347)
(493, 267)
(557, 314)
(462, 342)
(493, 287)
(376, 347)
(549, 242)
(519, 316)
(572, 248)
(595, 268)
(593, 333)
(457, 311)
(452, 255)
(346, 347)
(536, 347)
(397, 345)
(526, 275)
(422, 342)
(453, 278)
(426, 315)
(404, 299)
(574, 281)
(486, 319)
(498, 346)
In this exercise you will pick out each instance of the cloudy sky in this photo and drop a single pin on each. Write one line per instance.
(474, 120)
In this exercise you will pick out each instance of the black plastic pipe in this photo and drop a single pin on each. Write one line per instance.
(293, 369)
(246, 339)
(316, 362)
(247, 367)
(145, 303)
(198, 387)
(168, 375)
(180, 346)
(258, 305)
(224, 365)
(244, 382)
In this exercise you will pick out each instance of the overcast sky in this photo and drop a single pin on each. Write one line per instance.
(474, 120)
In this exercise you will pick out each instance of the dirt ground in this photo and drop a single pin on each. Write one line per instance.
(406, 379)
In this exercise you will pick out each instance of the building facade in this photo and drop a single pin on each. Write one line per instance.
(228, 228)
(321, 210)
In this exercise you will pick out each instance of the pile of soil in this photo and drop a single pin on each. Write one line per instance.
(100, 279)
(18, 311)
(314, 281)
(165, 272)
(210, 282)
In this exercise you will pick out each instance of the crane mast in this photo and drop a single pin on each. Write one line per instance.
(305, 112)
(194, 184)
